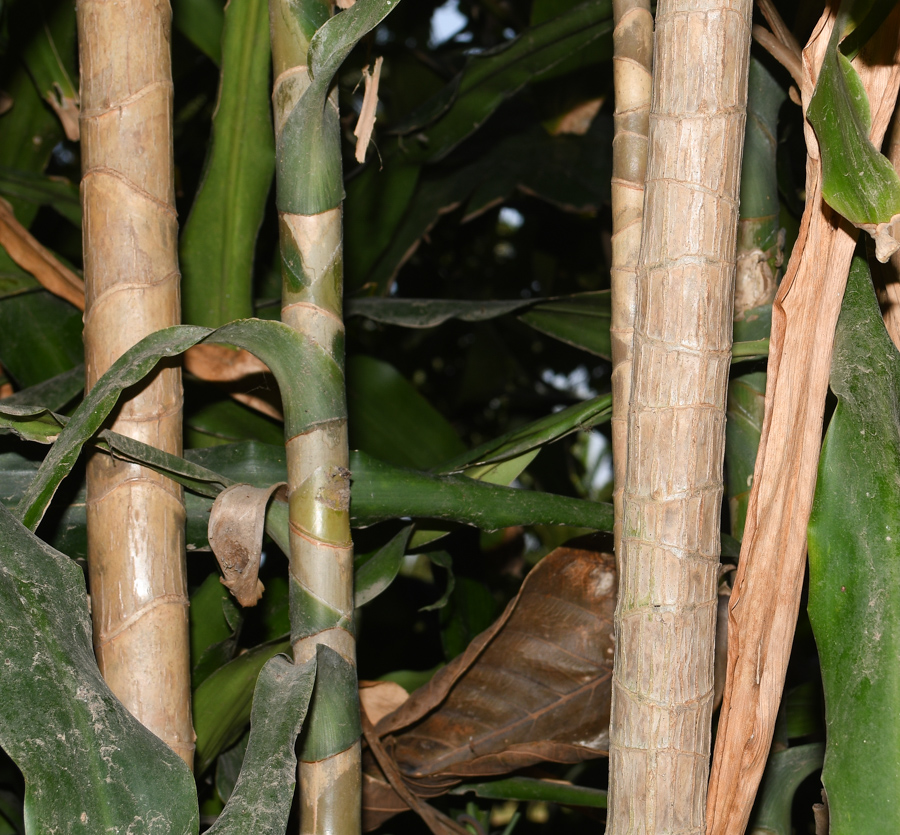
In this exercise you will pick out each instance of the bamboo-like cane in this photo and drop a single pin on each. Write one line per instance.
(665, 619)
(135, 517)
(321, 559)
(632, 68)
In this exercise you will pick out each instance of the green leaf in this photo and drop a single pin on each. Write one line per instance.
(785, 771)
(41, 336)
(261, 801)
(491, 77)
(857, 181)
(580, 417)
(310, 177)
(228, 767)
(85, 758)
(219, 239)
(376, 201)
(222, 702)
(41, 190)
(335, 705)
(313, 396)
(87, 419)
(215, 623)
(527, 789)
(52, 394)
(390, 420)
(31, 423)
(201, 22)
(378, 571)
(471, 609)
(571, 172)
(429, 313)
(865, 17)
(854, 570)
(31, 129)
(212, 418)
(382, 491)
(581, 320)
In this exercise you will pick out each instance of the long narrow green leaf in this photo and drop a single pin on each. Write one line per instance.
(222, 703)
(201, 22)
(429, 313)
(219, 239)
(854, 571)
(41, 190)
(89, 765)
(51, 394)
(31, 423)
(377, 572)
(527, 789)
(87, 419)
(491, 77)
(261, 801)
(581, 320)
(41, 336)
(290, 355)
(391, 421)
(582, 416)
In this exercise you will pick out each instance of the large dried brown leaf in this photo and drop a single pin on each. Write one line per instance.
(533, 687)
(766, 597)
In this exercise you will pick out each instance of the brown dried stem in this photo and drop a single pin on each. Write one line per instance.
(766, 596)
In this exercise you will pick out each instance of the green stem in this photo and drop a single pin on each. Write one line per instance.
(321, 558)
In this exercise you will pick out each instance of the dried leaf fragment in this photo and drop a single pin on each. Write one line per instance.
(236, 525)
(366, 123)
(67, 111)
(36, 259)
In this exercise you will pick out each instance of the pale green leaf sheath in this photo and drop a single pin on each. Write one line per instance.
(309, 194)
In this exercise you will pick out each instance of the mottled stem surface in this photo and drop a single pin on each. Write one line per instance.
(632, 66)
(665, 619)
(135, 517)
(321, 559)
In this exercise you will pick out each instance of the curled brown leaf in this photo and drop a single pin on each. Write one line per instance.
(236, 525)
(533, 687)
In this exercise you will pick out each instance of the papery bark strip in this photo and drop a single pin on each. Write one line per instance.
(135, 516)
(665, 619)
(766, 596)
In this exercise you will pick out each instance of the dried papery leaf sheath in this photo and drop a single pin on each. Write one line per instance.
(665, 626)
(632, 67)
(321, 559)
(766, 593)
(130, 230)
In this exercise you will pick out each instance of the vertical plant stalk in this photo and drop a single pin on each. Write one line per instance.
(135, 517)
(666, 613)
(632, 68)
(766, 596)
(321, 559)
